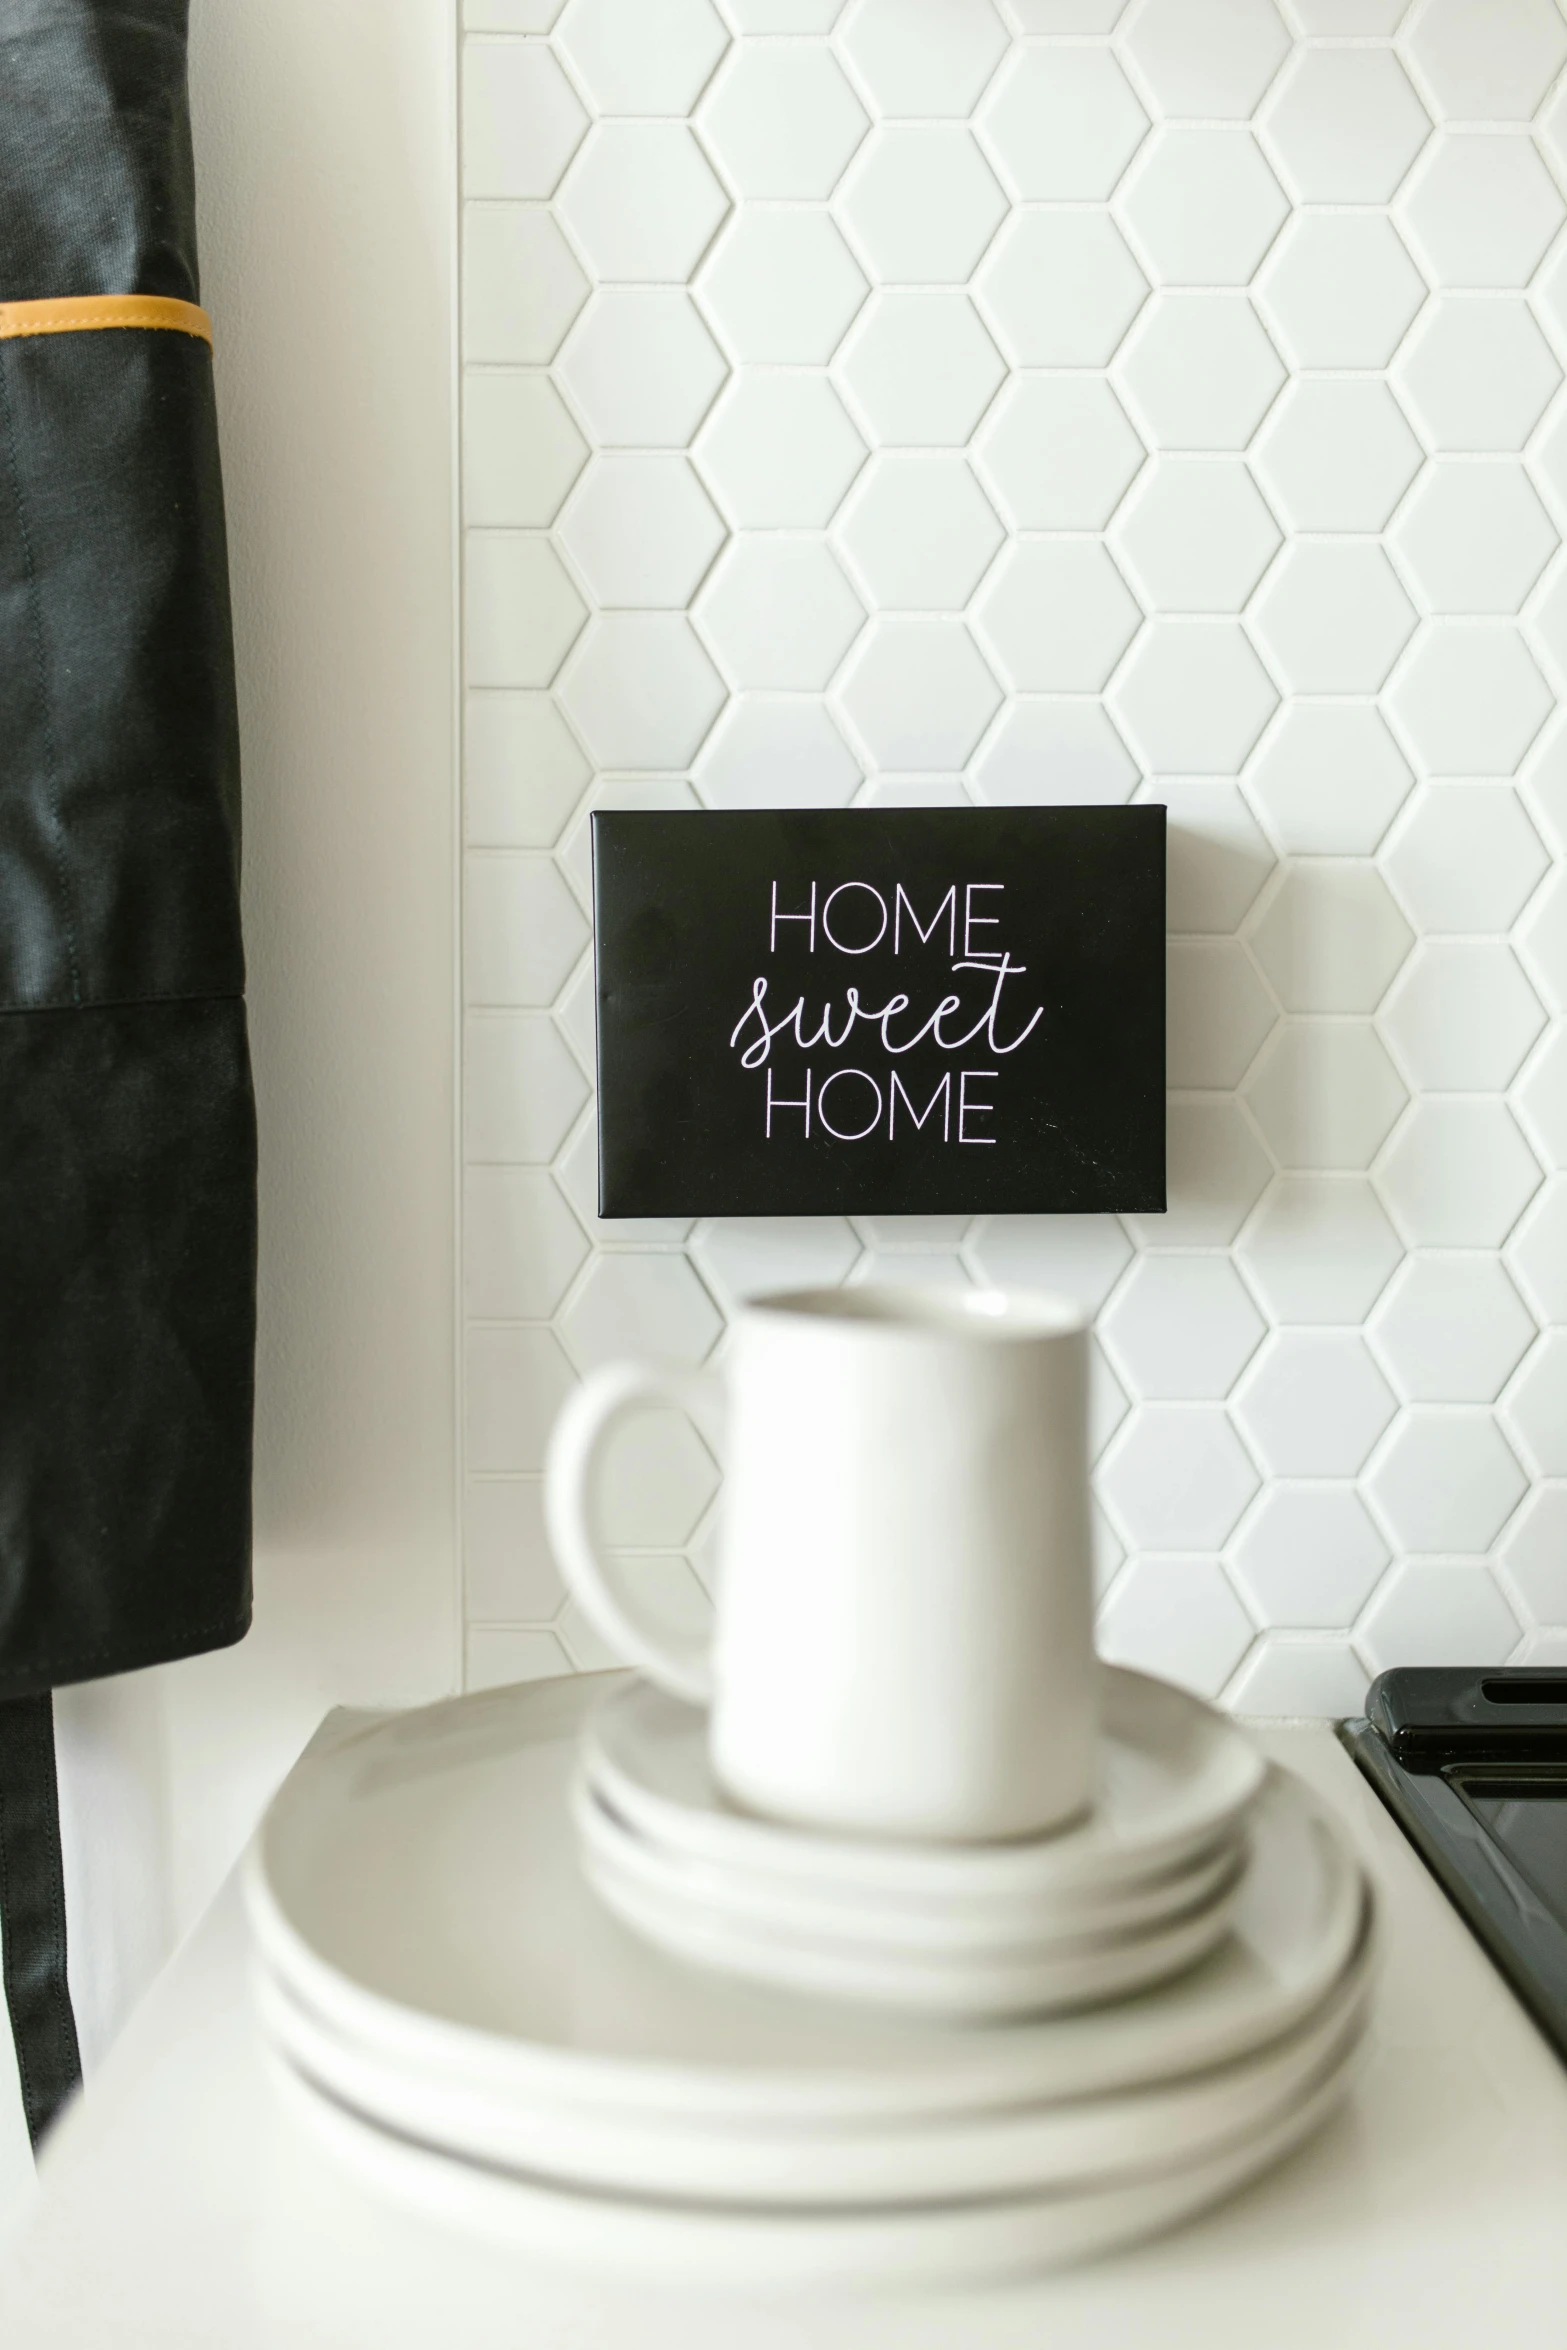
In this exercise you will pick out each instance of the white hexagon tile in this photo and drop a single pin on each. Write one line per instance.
(1028, 401)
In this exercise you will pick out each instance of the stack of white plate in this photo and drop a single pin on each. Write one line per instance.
(459, 2012)
(1140, 1890)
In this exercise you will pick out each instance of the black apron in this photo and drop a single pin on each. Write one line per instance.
(127, 1126)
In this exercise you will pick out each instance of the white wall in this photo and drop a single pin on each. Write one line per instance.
(1046, 399)
(324, 154)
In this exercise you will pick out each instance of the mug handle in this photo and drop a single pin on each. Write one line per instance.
(572, 1515)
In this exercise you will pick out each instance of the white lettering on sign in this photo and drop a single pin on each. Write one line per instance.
(968, 1109)
(852, 919)
(942, 1094)
(778, 916)
(842, 944)
(850, 1133)
(902, 906)
(776, 1102)
(973, 921)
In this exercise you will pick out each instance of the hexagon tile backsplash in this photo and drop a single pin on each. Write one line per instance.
(1013, 400)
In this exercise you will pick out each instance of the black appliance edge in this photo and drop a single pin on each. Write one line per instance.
(1504, 1911)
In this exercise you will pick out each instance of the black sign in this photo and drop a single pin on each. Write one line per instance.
(888, 1012)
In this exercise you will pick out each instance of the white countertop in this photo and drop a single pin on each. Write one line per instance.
(182, 2206)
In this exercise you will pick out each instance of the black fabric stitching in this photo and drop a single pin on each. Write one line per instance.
(124, 1003)
(41, 672)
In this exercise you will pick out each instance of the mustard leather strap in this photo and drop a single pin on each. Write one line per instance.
(86, 313)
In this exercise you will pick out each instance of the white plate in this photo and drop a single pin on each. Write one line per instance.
(914, 2246)
(1007, 2151)
(903, 1921)
(418, 1885)
(1175, 1777)
(976, 1985)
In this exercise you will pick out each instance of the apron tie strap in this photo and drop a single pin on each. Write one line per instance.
(32, 1912)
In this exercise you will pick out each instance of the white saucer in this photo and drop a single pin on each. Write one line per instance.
(418, 1887)
(910, 2246)
(904, 1922)
(1176, 1777)
(975, 1985)
(1008, 2150)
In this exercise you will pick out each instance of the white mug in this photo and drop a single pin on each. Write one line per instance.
(903, 1637)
